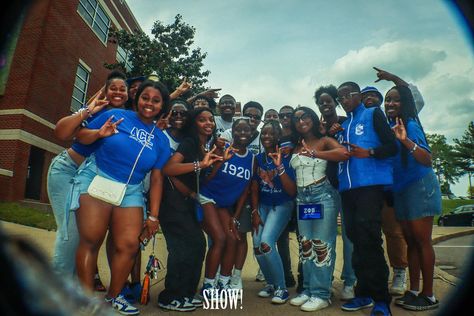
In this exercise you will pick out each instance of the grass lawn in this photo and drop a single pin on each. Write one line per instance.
(16, 213)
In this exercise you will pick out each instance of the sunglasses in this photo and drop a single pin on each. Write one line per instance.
(180, 113)
(285, 115)
(302, 117)
(253, 117)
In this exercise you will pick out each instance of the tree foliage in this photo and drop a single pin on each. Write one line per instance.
(444, 161)
(168, 52)
(464, 149)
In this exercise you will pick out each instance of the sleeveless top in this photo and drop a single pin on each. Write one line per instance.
(307, 169)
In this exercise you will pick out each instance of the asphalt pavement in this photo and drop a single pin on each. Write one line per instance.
(445, 284)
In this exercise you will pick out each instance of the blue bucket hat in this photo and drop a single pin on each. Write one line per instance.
(140, 78)
(372, 89)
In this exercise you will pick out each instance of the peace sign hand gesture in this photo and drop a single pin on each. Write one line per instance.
(210, 158)
(184, 86)
(384, 75)
(399, 130)
(109, 128)
(229, 152)
(163, 121)
(97, 102)
(276, 156)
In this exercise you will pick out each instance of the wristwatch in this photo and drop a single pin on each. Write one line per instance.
(371, 152)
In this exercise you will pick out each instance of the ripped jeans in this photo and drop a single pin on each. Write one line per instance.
(318, 239)
(275, 219)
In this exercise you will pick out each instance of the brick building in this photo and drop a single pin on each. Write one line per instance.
(53, 61)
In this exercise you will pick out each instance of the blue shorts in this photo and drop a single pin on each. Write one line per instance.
(134, 194)
(419, 199)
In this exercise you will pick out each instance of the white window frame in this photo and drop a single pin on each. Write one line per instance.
(125, 59)
(76, 88)
(95, 16)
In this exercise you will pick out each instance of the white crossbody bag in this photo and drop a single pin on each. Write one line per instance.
(111, 191)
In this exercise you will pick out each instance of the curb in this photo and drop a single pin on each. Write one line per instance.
(441, 273)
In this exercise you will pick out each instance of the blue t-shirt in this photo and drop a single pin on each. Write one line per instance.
(230, 180)
(116, 154)
(87, 150)
(413, 171)
(271, 191)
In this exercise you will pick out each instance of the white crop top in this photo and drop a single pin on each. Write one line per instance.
(307, 169)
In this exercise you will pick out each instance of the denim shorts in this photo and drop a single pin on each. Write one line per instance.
(134, 194)
(420, 199)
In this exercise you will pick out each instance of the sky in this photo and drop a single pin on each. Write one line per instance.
(279, 52)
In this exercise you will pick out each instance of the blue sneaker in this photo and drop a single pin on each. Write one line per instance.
(132, 292)
(280, 296)
(381, 309)
(357, 303)
(123, 306)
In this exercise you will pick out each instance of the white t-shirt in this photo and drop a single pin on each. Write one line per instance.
(255, 146)
(221, 125)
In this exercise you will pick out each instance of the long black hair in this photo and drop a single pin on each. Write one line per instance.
(314, 118)
(190, 130)
(407, 111)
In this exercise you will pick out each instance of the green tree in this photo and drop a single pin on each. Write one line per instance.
(168, 52)
(444, 161)
(464, 152)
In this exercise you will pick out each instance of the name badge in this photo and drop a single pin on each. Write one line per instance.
(310, 211)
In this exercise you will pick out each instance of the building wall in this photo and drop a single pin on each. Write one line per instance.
(53, 40)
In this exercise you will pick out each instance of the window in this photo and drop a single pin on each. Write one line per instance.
(123, 56)
(80, 88)
(96, 17)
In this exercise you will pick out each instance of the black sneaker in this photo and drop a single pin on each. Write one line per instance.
(183, 305)
(421, 303)
(407, 297)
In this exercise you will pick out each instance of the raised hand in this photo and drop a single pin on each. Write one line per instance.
(210, 93)
(210, 158)
(184, 86)
(384, 75)
(399, 130)
(163, 121)
(98, 101)
(229, 152)
(276, 156)
(109, 128)
(335, 128)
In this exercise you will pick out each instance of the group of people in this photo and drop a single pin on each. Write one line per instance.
(192, 168)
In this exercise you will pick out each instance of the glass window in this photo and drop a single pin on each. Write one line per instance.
(96, 17)
(123, 56)
(80, 88)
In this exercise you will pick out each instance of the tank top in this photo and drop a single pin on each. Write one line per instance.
(307, 169)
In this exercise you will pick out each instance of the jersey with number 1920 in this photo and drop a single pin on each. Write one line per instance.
(230, 180)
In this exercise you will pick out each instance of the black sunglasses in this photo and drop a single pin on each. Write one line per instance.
(176, 113)
(284, 115)
(254, 117)
(302, 117)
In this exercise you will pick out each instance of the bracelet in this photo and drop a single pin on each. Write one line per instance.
(254, 211)
(197, 166)
(281, 172)
(152, 218)
(414, 148)
(236, 222)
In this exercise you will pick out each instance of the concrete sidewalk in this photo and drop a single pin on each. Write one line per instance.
(444, 283)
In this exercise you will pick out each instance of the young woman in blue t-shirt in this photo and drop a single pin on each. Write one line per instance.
(273, 190)
(64, 166)
(227, 185)
(417, 196)
(121, 135)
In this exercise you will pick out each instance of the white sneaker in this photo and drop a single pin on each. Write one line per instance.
(300, 299)
(259, 277)
(399, 282)
(267, 291)
(236, 282)
(347, 292)
(314, 303)
(123, 306)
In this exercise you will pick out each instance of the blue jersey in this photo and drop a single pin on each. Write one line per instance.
(413, 171)
(230, 180)
(271, 191)
(87, 150)
(116, 154)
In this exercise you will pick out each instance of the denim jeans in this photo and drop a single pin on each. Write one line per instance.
(347, 274)
(59, 184)
(275, 219)
(318, 239)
